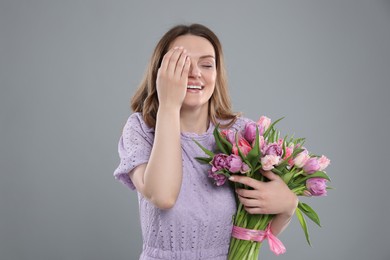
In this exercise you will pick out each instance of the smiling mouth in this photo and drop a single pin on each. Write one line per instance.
(195, 87)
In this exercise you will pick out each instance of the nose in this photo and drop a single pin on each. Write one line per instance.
(194, 70)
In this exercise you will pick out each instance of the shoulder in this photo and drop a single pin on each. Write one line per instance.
(135, 122)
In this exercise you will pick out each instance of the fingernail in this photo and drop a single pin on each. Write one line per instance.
(231, 178)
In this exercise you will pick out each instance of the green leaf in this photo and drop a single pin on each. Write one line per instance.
(225, 142)
(296, 151)
(301, 179)
(302, 221)
(254, 154)
(300, 141)
(258, 167)
(271, 127)
(291, 140)
(208, 152)
(243, 157)
(308, 211)
(287, 176)
(284, 146)
(277, 171)
(223, 172)
(253, 157)
(218, 141)
(204, 159)
(284, 163)
(318, 174)
(270, 137)
(277, 134)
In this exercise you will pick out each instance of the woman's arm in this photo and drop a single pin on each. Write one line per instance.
(160, 179)
(273, 197)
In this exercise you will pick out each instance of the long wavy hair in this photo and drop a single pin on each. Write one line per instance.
(145, 99)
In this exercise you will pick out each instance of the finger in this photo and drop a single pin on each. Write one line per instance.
(255, 210)
(250, 194)
(173, 61)
(166, 58)
(246, 181)
(249, 202)
(180, 63)
(186, 68)
(270, 175)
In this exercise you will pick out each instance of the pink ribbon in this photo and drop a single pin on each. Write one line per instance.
(275, 245)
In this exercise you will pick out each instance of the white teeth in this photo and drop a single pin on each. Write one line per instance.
(194, 87)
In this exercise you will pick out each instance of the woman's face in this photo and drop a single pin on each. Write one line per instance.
(203, 71)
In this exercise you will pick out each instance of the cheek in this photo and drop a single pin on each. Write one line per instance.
(211, 77)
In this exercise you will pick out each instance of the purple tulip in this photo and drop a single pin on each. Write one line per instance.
(219, 162)
(311, 166)
(245, 168)
(274, 149)
(219, 179)
(234, 163)
(316, 186)
(250, 132)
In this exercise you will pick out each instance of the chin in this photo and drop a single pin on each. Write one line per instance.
(195, 105)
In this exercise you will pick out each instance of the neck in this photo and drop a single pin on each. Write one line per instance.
(194, 121)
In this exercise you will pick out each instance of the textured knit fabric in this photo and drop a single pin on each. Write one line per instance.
(200, 223)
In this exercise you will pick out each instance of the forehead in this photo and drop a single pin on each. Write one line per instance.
(195, 45)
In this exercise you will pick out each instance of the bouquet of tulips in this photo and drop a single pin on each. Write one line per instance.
(259, 146)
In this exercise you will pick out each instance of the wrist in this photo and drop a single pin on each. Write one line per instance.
(169, 111)
(289, 212)
(169, 105)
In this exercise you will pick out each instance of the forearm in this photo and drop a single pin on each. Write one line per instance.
(281, 221)
(163, 174)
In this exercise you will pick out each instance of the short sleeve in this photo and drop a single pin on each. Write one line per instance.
(134, 148)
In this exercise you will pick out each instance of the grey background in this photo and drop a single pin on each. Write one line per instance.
(69, 68)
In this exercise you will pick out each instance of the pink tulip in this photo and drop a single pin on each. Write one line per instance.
(244, 146)
(301, 159)
(263, 144)
(268, 162)
(229, 135)
(316, 186)
(263, 123)
(323, 161)
(289, 151)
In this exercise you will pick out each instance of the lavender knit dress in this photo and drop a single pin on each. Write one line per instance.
(200, 223)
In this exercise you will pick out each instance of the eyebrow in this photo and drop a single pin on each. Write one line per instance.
(206, 56)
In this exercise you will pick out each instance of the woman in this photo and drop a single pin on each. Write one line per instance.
(182, 97)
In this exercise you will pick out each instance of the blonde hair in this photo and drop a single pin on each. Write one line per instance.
(145, 99)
